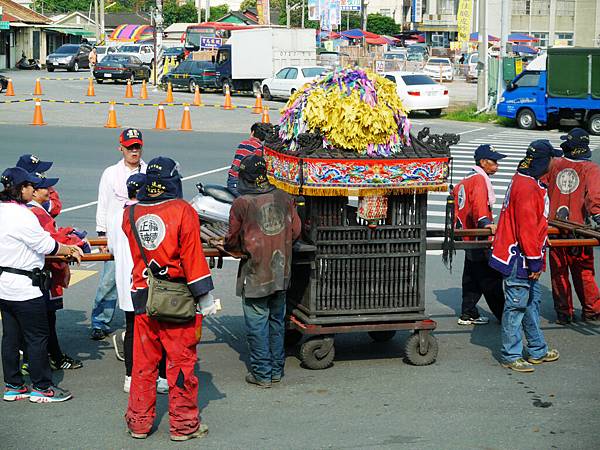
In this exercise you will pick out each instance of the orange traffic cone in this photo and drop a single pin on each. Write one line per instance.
(38, 87)
(169, 93)
(144, 92)
(161, 121)
(258, 106)
(90, 91)
(38, 118)
(227, 104)
(10, 91)
(265, 115)
(186, 120)
(111, 122)
(128, 90)
(197, 98)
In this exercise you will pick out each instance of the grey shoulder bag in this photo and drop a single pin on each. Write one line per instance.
(168, 301)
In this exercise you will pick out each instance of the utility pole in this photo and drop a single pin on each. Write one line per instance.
(302, 23)
(482, 79)
(158, 53)
(504, 30)
(199, 10)
(96, 22)
(287, 13)
(207, 11)
(102, 29)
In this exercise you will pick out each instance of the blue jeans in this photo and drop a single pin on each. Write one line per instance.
(521, 310)
(265, 332)
(106, 298)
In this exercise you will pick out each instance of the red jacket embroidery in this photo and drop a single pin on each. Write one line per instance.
(574, 189)
(522, 228)
(170, 233)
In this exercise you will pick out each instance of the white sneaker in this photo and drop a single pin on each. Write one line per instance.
(127, 384)
(162, 386)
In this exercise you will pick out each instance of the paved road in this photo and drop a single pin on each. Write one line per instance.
(368, 399)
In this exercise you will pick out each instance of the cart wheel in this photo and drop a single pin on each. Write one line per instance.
(418, 356)
(382, 336)
(317, 353)
(292, 337)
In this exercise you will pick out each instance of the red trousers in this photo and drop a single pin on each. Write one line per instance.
(584, 281)
(179, 342)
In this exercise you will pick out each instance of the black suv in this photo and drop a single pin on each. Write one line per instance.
(71, 57)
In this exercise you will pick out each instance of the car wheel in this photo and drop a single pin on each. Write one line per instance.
(76, 66)
(526, 119)
(267, 93)
(226, 86)
(50, 69)
(132, 78)
(594, 125)
(435, 112)
(1, 88)
(292, 92)
(192, 86)
(99, 80)
(255, 88)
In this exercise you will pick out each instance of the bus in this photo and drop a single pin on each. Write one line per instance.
(209, 35)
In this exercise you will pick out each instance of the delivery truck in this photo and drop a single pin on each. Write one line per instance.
(251, 55)
(559, 88)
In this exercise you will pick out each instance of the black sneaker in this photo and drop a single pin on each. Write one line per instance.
(98, 334)
(51, 395)
(251, 379)
(65, 363)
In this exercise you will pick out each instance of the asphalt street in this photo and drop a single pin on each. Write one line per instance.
(369, 399)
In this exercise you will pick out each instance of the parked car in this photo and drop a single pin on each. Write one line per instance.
(189, 74)
(177, 52)
(439, 68)
(419, 92)
(71, 57)
(103, 50)
(121, 66)
(471, 69)
(3, 83)
(289, 79)
(145, 52)
(395, 55)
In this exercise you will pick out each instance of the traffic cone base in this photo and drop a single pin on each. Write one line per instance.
(169, 93)
(197, 98)
(38, 87)
(144, 91)
(128, 90)
(161, 121)
(227, 105)
(10, 90)
(38, 118)
(186, 120)
(265, 115)
(111, 122)
(90, 90)
(258, 105)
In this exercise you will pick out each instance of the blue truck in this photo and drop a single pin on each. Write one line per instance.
(559, 88)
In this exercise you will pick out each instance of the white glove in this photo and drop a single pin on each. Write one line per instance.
(207, 306)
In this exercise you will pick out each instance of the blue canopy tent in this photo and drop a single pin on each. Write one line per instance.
(525, 49)
(475, 37)
(520, 37)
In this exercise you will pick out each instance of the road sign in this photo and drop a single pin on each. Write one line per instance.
(210, 42)
(4, 25)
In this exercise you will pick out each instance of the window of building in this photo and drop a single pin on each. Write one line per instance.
(543, 39)
(566, 37)
(540, 7)
(520, 7)
(386, 12)
(448, 7)
(565, 8)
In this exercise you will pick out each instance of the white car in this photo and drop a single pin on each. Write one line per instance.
(419, 92)
(143, 51)
(439, 67)
(289, 79)
(103, 50)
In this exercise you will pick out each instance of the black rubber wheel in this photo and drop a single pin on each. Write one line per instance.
(192, 86)
(526, 119)
(227, 84)
(382, 336)
(435, 112)
(267, 93)
(255, 88)
(594, 124)
(315, 353)
(76, 66)
(99, 80)
(292, 338)
(413, 354)
(50, 69)
(132, 78)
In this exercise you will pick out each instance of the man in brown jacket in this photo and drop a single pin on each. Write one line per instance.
(263, 224)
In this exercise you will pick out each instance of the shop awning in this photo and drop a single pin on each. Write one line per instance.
(72, 31)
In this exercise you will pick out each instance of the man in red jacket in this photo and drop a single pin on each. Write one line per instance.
(473, 206)
(518, 254)
(169, 230)
(574, 190)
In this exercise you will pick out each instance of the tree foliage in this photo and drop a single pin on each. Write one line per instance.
(216, 12)
(172, 13)
(376, 23)
(247, 4)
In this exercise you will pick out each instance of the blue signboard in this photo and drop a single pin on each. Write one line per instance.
(210, 42)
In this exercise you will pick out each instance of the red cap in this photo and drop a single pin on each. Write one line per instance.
(131, 136)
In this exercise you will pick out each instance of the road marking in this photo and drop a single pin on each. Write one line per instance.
(472, 131)
(80, 275)
(196, 175)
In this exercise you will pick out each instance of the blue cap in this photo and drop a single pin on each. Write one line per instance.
(16, 175)
(135, 183)
(486, 151)
(542, 148)
(33, 164)
(578, 137)
(45, 183)
(162, 167)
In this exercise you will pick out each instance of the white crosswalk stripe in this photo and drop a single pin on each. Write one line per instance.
(511, 142)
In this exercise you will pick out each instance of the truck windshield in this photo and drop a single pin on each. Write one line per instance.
(528, 80)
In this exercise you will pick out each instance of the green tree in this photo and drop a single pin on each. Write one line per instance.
(248, 4)
(184, 13)
(376, 23)
(60, 6)
(216, 12)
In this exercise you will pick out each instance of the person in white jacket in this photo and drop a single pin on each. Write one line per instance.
(112, 196)
(118, 245)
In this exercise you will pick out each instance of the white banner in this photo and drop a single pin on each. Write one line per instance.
(350, 5)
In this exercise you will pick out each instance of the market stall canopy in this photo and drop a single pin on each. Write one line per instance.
(525, 49)
(132, 33)
(381, 40)
(329, 35)
(491, 38)
(519, 37)
(73, 31)
(357, 33)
